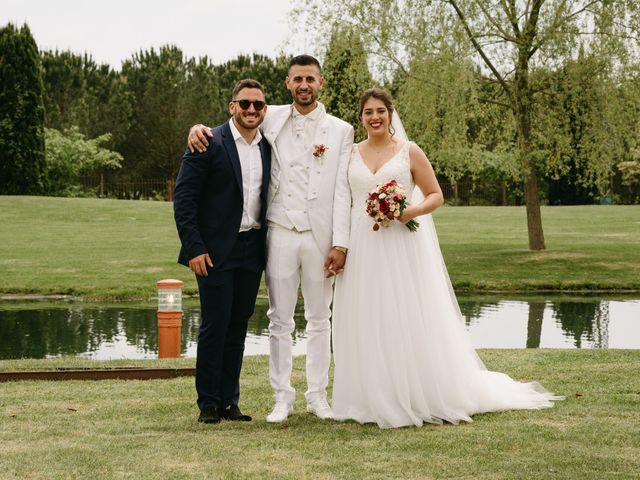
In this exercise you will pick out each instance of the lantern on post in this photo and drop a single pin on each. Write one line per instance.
(169, 317)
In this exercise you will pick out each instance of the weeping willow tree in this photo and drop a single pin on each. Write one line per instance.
(506, 41)
(584, 127)
(464, 138)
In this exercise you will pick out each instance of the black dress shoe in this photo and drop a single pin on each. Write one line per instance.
(232, 412)
(209, 415)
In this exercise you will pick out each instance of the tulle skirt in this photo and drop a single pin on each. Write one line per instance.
(402, 356)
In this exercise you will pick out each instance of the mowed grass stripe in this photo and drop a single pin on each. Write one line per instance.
(117, 249)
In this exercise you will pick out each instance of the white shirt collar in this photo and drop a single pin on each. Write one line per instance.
(314, 114)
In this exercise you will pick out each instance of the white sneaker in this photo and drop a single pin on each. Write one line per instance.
(280, 412)
(320, 408)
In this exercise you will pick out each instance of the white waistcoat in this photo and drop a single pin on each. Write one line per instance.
(289, 207)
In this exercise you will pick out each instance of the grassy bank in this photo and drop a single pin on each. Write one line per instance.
(109, 249)
(147, 430)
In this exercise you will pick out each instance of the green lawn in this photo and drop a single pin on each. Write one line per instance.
(116, 249)
(88, 247)
(589, 247)
(148, 430)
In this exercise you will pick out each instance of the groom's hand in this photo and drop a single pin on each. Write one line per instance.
(334, 263)
(197, 139)
(198, 265)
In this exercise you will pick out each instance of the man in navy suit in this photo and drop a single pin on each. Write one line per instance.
(219, 208)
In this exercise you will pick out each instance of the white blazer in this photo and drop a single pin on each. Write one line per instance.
(329, 196)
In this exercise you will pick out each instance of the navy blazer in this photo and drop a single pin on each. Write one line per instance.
(208, 198)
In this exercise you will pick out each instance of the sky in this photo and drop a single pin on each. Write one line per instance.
(112, 30)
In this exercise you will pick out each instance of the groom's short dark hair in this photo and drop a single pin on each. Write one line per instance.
(305, 60)
(246, 83)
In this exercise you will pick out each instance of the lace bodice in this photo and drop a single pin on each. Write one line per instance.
(362, 181)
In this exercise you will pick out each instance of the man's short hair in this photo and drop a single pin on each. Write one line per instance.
(305, 60)
(247, 83)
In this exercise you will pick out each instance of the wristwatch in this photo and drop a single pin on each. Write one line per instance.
(341, 249)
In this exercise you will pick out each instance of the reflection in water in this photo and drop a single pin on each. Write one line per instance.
(565, 322)
(576, 320)
(129, 331)
(122, 331)
(75, 330)
(534, 324)
(601, 323)
(585, 322)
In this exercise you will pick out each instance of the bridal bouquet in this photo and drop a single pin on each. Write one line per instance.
(386, 203)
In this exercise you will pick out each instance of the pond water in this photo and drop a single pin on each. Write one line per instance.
(44, 330)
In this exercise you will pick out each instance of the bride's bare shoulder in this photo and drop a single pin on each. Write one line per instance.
(416, 153)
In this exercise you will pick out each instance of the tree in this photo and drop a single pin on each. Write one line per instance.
(148, 107)
(506, 39)
(70, 155)
(78, 92)
(438, 106)
(346, 77)
(582, 128)
(63, 76)
(168, 95)
(269, 72)
(630, 173)
(22, 165)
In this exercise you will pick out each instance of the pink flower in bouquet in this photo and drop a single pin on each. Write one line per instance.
(386, 203)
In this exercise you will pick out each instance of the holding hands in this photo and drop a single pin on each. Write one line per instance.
(334, 263)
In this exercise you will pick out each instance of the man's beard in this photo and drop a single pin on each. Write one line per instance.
(304, 103)
(240, 119)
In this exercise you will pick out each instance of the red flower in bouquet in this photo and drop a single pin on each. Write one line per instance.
(386, 203)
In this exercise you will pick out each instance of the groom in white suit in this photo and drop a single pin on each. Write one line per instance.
(308, 209)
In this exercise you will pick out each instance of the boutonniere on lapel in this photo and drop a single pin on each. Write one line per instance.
(319, 151)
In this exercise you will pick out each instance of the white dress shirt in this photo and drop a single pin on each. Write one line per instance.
(304, 126)
(251, 167)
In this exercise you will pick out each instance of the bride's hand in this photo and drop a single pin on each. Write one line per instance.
(408, 214)
(197, 139)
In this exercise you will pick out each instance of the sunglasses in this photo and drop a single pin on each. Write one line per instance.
(244, 104)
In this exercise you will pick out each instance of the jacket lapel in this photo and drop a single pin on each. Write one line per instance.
(322, 134)
(229, 145)
(265, 153)
(321, 137)
(275, 125)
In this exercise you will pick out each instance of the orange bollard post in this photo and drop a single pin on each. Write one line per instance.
(169, 317)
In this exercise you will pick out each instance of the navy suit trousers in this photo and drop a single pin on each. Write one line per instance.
(227, 300)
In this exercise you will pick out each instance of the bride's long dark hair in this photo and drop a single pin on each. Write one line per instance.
(384, 97)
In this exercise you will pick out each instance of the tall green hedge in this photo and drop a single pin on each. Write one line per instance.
(22, 161)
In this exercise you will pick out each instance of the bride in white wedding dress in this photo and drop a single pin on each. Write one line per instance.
(402, 356)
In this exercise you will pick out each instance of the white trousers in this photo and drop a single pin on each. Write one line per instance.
(294, 259)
